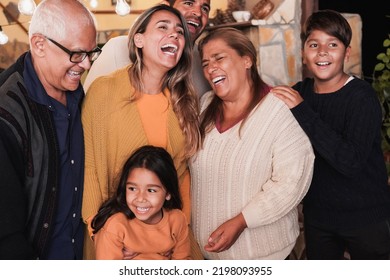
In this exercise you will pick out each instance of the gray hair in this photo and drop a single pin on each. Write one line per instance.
(56, 18)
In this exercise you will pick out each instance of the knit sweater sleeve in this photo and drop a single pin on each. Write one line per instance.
(292, 170)
(95, 189)
(345, 125)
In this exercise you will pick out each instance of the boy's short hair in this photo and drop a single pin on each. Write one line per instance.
(330, 22)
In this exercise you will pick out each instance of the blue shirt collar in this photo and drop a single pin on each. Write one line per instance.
(37, 92)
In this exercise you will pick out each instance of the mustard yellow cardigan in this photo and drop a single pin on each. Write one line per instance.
(112, 131)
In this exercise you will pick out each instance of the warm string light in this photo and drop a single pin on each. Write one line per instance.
(122, 8)
(26, 7)
(93, 4)
(3, 37)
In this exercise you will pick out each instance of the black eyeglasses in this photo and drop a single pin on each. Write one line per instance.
(79, 56)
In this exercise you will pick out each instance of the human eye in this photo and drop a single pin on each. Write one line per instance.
(78, 56)
(333, 45)
(188, 3)
(313, 45)
(152, 190)
(219, 57)
(205, 64)
(131, 188)
(206, 9)
(162, 26)
(180, 31)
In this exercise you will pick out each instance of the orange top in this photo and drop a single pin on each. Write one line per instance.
(151, 242)
(114, 128)
(153, 109)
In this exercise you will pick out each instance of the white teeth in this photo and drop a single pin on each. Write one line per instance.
(323, 63)
(74, 73)
(142, 209)
(193, 23)
(218, 79)
(169, 48)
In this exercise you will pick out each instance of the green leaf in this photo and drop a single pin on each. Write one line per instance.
(381, 56)
(386, 75)
(379, 67)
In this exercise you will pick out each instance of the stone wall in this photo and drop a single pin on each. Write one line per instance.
(277, 39)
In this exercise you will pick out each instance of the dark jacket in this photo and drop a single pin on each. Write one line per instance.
(28, 169)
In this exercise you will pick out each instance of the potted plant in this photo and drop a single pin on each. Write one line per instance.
(381, 84)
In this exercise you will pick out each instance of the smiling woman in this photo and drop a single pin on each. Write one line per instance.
(250, 176)
(162, 83)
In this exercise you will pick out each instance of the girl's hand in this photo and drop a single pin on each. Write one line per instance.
(288, 95)
(226, 234)
(129, 255)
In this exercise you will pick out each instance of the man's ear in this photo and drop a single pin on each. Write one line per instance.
(347, 54)
(139, 40)
(38, 45)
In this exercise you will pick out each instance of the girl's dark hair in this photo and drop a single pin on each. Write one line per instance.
(239, 42)
(331, 22)
(156, 160)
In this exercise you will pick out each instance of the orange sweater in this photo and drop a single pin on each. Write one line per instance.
(152, 242)
(113, 129)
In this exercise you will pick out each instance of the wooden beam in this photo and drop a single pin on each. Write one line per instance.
(14, 19)
(103, 12)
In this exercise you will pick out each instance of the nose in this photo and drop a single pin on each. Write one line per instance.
(86, 63)
(173, 35)
(322, 51)
(196, 10)
(141, 196)
(211, 68)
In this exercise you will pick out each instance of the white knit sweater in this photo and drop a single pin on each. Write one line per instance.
(264, 173)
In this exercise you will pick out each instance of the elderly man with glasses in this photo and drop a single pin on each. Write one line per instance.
(41, 136)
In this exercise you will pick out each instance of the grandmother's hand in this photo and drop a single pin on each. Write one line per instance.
(226, 234)
(288, 95)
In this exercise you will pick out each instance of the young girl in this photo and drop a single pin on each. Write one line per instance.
(144, 216)
(156, 95)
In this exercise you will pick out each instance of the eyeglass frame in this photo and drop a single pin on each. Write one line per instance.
(71, 53)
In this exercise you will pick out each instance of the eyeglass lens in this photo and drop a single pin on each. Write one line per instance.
(78, 57)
